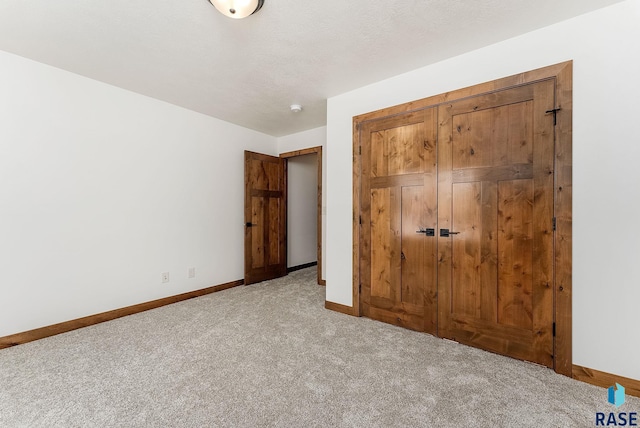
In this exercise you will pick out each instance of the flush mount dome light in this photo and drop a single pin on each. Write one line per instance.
(237, 9)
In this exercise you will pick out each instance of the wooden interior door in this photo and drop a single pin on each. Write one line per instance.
(265, 210)
(398, 199)
(496, 193)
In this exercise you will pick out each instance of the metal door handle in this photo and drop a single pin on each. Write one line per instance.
(446, 232)
(428, 231)
(249, 224)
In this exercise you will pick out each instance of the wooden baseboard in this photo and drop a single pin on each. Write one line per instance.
(605, 380)
(337, 307)
(52, 330)
(303, 266)
(322, 282)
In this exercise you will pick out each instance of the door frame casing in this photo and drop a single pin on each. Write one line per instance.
(318, 151)
(562, 73)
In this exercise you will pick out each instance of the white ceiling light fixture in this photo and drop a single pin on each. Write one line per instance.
(296, 108)
(237, 9)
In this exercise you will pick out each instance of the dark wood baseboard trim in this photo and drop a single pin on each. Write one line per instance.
(605, 380)
(299, 267)
(337, 307)
(306, 265)
(52, 330)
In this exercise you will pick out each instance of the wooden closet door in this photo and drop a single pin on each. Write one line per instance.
(398, 198)
(495, 192)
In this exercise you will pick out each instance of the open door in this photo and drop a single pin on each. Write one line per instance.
(265, 212)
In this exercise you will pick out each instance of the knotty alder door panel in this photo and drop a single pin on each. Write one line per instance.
(496, 192)
(398, 199)
(265, 217)
(493, 177)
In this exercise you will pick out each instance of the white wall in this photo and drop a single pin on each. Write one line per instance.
(606, 268)
(302, 210)
(304, 140)
(102, 189)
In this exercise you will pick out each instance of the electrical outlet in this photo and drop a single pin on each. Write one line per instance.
(165, 277)
(192, 272)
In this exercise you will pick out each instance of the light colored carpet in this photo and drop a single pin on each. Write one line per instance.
(270, 355)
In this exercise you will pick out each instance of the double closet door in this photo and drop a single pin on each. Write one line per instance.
(457, 219)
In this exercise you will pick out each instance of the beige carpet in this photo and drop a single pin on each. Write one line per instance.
(270, 355)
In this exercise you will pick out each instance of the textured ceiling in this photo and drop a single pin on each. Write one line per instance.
(249, 71)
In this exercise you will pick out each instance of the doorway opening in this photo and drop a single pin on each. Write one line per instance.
(265, 211)
(304, 209)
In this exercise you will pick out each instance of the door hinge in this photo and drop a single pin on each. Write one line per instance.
(555, 114)
(554, 224)
(360, 220)
(359, 288)
(554, 329)
(359, 150)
